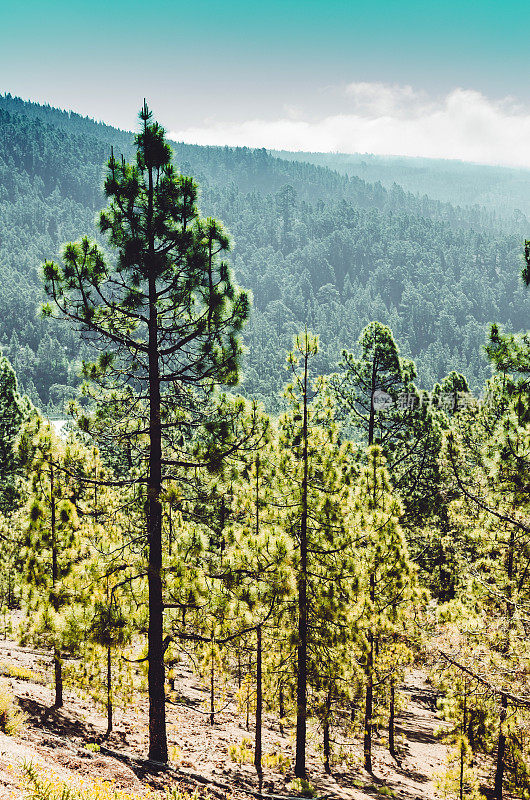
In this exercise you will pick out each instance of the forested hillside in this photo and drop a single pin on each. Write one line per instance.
(315, 247)
(191, 583)
(503, 190)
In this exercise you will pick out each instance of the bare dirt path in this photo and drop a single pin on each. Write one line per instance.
(422, 755)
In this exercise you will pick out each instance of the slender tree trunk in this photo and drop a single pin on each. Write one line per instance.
(301, 683)
(368, 708)
(367, 744)
(58, 670)
(371, 418)
(501, 751)
(57, 665)
(462, 748)
(501, 744)
(155, 678)
(248, 690)
(109, 691)
(326, 739)
(259, 711)
(259, 689)
(212, 689)
(281, 708)
(391, 719)
(96, 513)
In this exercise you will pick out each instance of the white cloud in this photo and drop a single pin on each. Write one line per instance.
(391, 120)
(380, 99)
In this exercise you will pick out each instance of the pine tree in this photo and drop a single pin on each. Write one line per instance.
(14, 411)
(389, 580)
(54, 546)
(166, 318)
(258, 567)
(315, 476)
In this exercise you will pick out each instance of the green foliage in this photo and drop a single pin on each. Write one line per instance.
(352, 251)
(301, 787)
(242, 753)
(11, 718)
(21, 673)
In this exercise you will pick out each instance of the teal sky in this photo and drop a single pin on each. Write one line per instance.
(202, 64)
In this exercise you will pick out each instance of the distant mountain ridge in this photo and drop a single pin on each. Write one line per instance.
(316, 247)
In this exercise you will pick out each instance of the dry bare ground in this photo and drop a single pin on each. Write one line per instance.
(56, 740)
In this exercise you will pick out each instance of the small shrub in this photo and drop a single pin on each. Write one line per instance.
(37, 787)
(242, 753)
(175, 793)
(277, 761)
(11, 718)
(175, 754)
(301, 787)
(11, 670)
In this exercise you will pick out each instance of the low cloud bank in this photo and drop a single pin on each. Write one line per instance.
(391, 120)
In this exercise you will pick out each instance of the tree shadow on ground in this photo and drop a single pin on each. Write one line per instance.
(57, 721)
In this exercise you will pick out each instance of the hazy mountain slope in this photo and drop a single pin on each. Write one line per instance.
(315, 247)
(504, 190)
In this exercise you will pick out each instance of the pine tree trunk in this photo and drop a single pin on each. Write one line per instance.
(367, 744)
(259, 689)
(326, 739)
(462, 749)
(368, 707)
(259, 711)
(501, 751)
(57, 665)
(391, 719)
(501, 744)
(212, 690)
(248, 690)
(109, 692)
(58, 670)
(301, 682)
(281, 708)
(371, 418)
(155, 678)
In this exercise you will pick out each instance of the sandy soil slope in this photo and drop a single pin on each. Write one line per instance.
(57, 739)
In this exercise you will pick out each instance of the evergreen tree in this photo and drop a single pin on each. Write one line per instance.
(166, 318)
(54, 546)
(14, 411)
(314, 498)
(389, 579)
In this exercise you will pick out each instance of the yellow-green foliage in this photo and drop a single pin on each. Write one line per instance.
(175, 754)
(11, 670)
(242, 753)
(301, 787)
(11, 718)
(277, 761)
(458, 764)
(176, 793)
(37, 787)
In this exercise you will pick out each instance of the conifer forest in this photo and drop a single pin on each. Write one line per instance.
(264, 470)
